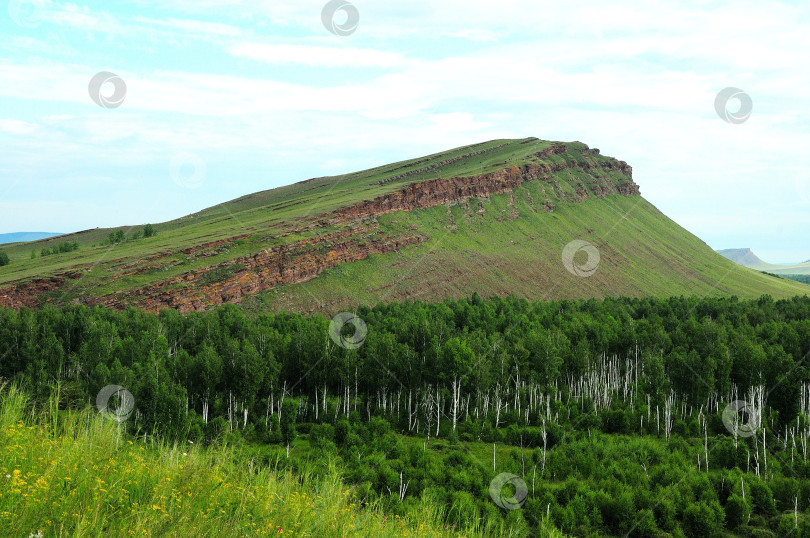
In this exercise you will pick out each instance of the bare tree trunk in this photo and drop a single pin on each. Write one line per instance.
(456, 396)
(438, 410)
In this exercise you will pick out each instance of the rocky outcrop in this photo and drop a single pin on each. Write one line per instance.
(442, 191)
(291, 263)
(30, 294)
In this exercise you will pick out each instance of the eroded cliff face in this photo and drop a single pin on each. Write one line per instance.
(296, 262)
(302, 260)
(458, 189)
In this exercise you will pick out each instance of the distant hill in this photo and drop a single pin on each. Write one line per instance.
(747, 258)
(529, 218)
(18, 237)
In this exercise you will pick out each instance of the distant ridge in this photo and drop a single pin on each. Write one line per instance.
(747, 258)
(19, 237)
(744, 257)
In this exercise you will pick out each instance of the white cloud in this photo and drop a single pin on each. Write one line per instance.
(15, 127)
(634, 78)
(316, 56)
(193, 26)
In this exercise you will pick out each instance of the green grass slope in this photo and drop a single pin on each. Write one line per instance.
(642, 253)
(68, 473)
(500, 244)
(273, 210)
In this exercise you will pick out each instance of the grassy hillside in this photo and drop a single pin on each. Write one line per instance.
(643, 253)
(507, 242)
(276, 209)
(74, 474)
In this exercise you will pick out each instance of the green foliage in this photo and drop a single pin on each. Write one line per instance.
(115, 237)
(4, 260)
(289, 412)
(702, 520)
(61, 248)
(804, 279)
(595, 461)
(738, 511)
(762, 498)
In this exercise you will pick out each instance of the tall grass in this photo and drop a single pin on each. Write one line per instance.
(74, 473)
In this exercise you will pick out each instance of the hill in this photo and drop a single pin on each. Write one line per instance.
(19, 237)
(493, 217)
(747, 258)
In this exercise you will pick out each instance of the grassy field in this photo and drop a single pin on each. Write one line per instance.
(69, 473)
(502, 244)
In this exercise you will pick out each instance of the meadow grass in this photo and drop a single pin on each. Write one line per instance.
(74, 473)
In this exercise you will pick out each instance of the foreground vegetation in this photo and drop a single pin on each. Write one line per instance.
(614, 414)
(73, 473)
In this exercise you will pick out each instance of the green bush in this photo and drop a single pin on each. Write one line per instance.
(115, 237)
(61, 248)
(738, 510)
(702, 520)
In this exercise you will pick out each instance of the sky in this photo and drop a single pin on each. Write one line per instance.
(116, 113)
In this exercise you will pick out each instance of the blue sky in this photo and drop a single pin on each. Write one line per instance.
(225, 98)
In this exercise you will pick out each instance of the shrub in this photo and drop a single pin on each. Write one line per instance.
(701, 521)
(61, 248)
(115, 237)
(738, 510)
(762, 498)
